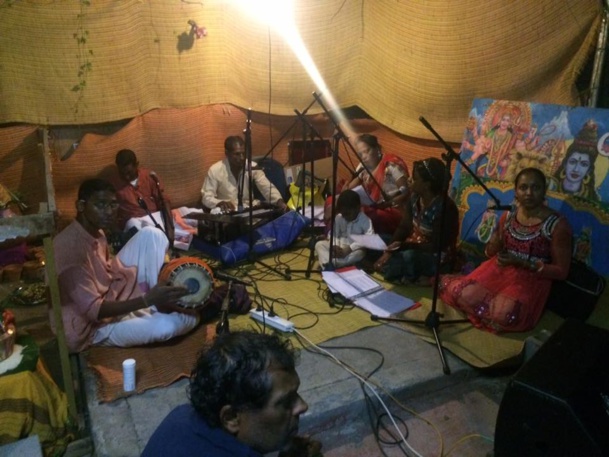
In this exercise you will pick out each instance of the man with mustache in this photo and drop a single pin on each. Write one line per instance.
(244, 401)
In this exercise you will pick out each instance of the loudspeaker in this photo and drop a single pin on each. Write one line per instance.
(557, 404)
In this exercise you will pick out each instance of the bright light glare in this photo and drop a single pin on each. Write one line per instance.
(279, 15)
(268, 12)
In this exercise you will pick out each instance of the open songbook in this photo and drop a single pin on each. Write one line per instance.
(351, 282)
(365, 292)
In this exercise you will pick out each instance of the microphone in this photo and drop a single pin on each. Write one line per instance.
(154, 176)
(226, 277)
(142, 203)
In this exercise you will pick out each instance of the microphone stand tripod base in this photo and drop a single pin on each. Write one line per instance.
(432, 321)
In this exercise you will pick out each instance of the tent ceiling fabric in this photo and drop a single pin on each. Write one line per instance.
(395, 59)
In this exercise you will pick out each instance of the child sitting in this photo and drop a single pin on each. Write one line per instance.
(350, 220)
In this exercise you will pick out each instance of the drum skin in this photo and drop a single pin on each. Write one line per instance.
(192, 273)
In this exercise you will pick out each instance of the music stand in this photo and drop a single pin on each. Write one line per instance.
(433, 319)
(335, 159)
(338, 135)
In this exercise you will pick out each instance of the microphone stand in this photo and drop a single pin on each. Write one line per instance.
(450, 153)
(312, 239)
(248, 154)
(223, 326)
(288, 130)
(167, 218)
(342, 135)
(335, 158)
(144, 206)
(337, 137)
(433, 319)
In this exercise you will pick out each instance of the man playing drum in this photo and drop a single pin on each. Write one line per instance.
(114, 301)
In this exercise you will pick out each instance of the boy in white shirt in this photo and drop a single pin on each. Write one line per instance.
(350, 220)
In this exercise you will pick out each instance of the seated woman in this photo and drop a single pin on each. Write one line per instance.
(388, 171)
(530, 248)
(411, 255)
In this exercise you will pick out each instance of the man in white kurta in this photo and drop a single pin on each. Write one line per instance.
(227, 181)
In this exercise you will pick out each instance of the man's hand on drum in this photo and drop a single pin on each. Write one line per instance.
(165, 298)
(226, 206)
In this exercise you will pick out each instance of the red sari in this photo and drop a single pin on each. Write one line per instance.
(507, 298)
(384, 220)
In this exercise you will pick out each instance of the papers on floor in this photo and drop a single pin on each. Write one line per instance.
(384, 303)
(351, 282)
(356, 285)
(373, 242)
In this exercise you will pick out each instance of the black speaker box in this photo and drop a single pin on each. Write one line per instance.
(557, 404)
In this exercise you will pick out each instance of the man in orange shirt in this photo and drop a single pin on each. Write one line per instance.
(114, 301)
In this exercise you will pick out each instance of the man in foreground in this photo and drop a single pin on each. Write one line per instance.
(243, 402)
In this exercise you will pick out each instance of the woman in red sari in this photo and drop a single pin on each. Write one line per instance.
(530, 249)
(390, 173)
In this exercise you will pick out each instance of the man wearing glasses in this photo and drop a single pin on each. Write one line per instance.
(114, 300)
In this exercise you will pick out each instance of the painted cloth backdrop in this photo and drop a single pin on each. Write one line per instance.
(68, 62)
(570, 145)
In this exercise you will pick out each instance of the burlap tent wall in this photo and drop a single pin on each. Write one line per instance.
(179, 144)
(22, 164)
(396, 60)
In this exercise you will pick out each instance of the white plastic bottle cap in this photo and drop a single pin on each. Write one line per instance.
(129, 375)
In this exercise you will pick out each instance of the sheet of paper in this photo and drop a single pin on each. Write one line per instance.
(363, 196)
(373, 242)
(384, 303)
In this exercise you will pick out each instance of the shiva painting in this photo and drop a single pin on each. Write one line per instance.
(570, 145)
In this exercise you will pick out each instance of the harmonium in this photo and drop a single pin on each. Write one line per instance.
(221, 228)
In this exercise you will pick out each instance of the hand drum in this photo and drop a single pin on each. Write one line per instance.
(192, 273)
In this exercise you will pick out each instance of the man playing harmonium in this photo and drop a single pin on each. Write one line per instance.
(227, 181)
